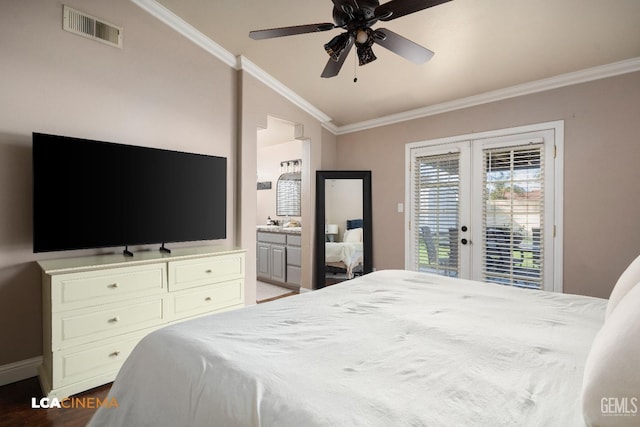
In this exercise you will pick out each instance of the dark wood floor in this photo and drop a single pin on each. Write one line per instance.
(278, 297)
(16, 410)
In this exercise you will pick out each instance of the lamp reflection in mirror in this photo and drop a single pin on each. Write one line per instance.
(331, 230)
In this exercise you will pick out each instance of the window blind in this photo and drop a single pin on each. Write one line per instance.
(512, 215)
(436, 213)
(289, 194)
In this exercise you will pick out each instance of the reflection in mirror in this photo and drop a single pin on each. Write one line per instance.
(344, 252)
(289, 194)
(343, 226)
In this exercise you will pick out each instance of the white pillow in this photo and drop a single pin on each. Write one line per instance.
(611, 383)
(353, 236)
(626, 281)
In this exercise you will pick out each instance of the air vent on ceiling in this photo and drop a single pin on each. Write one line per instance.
(85, 25)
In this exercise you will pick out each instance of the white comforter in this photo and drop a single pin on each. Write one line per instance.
(350, 253)
(391, 348)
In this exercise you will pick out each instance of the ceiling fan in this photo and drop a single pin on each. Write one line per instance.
(356, 17)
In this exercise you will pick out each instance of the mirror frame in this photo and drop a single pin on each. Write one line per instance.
(367, 232)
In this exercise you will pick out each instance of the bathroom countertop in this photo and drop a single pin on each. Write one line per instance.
(279, 229)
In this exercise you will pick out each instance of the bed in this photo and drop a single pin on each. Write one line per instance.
(344, 255)
(348, 254)
(391, 348)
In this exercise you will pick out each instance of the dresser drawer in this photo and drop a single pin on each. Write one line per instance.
(208, 298)
(92, 360)
(84, 289)
(88, 325)
(205, 271)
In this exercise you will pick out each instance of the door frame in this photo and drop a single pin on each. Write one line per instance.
(557, 128)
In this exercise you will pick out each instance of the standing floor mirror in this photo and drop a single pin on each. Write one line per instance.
(343, 226)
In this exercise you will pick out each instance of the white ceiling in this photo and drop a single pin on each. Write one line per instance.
(480, 46)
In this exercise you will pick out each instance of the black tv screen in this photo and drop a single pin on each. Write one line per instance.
(94, 194)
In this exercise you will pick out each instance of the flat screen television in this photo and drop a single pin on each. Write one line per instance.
(94, 194)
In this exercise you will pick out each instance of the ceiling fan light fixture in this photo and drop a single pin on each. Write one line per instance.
(365, 54)
(364, 51)
(336, 46)
(362, 36)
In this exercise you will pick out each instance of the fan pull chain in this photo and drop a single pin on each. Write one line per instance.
(355, 68)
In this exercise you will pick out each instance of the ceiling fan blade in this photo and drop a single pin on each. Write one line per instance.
(396, 8)
(290, 31)
(401, 46)
(333, 67)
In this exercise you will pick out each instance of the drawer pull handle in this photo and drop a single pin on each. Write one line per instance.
(114, 319)
(113, 286)
(115, 354)
(209, 271)
(207, 299)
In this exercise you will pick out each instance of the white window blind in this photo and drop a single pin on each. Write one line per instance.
(513, 212)
(289, 194)
(435, 220)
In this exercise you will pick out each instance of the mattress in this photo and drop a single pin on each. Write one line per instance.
(391, 348)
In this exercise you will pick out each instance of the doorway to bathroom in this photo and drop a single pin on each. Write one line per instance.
(279, 220)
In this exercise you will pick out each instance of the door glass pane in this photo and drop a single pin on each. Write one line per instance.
(512, 215)
(436, 214)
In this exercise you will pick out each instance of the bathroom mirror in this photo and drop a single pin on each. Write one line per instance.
(289, 194)
(343, 226)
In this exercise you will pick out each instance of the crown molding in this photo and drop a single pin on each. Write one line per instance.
(163, 14)
(178, 24)
(242, 63)
(252, 69)
(563, 80)
(331, 128)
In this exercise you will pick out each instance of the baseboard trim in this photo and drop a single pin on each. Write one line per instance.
(19, 371)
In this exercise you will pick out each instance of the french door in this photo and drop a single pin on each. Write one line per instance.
(483, 207)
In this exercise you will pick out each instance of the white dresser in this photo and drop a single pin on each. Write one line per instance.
(97, 308)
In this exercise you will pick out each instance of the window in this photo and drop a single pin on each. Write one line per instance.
(437, 189)
(513, 215)
(288, 194)
(483, 206)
